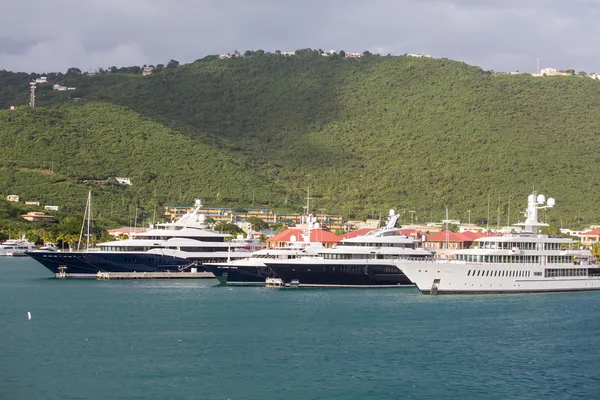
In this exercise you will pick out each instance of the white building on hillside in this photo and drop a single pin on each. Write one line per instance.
(124, 181)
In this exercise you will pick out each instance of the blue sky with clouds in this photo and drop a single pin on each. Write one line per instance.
(499, 35)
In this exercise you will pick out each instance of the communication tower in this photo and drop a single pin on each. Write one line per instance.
(32, 94)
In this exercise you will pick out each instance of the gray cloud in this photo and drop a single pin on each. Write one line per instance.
(503, 35)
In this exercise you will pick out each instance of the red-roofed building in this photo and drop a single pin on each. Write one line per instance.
(477, 235)
(448, 240)
(353, 234)
(590, 238)
(284, 238)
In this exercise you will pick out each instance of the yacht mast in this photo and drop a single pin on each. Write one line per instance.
(86, 218)
(89, 220)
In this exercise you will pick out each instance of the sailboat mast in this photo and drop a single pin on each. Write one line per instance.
(89, 221)
(86, 214)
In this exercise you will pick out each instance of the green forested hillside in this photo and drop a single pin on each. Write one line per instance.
(365, 135)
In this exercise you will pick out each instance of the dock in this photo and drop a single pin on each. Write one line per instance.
(154, 275)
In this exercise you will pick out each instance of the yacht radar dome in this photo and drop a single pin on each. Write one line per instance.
(392, 212)
(541, 199)
(551, 202)
(531, 198)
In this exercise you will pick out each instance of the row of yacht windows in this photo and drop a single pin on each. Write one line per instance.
(498, 273)
(498, 259)
(328, 256)
(555, 272)
(548, 273)
(276, 256)
(401, 245)
(517, 245)
(147, 248)
(360, 269)
(514, 259)
(203, 239)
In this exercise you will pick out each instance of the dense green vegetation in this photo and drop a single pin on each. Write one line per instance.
(365, 135)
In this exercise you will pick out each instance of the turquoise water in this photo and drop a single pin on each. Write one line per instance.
(194, 340)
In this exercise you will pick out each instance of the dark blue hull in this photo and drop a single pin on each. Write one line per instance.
(241, 275)
(339, 275)
(87, 264)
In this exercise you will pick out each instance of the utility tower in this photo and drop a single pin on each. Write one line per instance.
(32, 94)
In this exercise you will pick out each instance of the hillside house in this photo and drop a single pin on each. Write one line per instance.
(32, 202)
(353, 55)
(41, 79)
(51, 208)
(551, 72)
(35, 216)
(418, 55)
(470, 228)
(590, 238)
(13, 197)
(124, 181)
(147, 71)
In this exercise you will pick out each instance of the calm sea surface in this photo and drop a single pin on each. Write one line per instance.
(91, 339)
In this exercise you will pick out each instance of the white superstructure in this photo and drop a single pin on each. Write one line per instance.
(512, 263)
(189, 237)
(381, 244)
(16, 247)
(362, 261)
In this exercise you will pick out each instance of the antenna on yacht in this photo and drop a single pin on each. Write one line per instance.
(392, 219)
(535, 203)
(308, 201)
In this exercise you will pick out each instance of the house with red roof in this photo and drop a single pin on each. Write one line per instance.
(295, 235)
(448, 240)
(590, 238)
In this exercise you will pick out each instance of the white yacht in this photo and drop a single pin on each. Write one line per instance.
(512, 263)
(362, 261)
(167, 247)
(16, 247)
